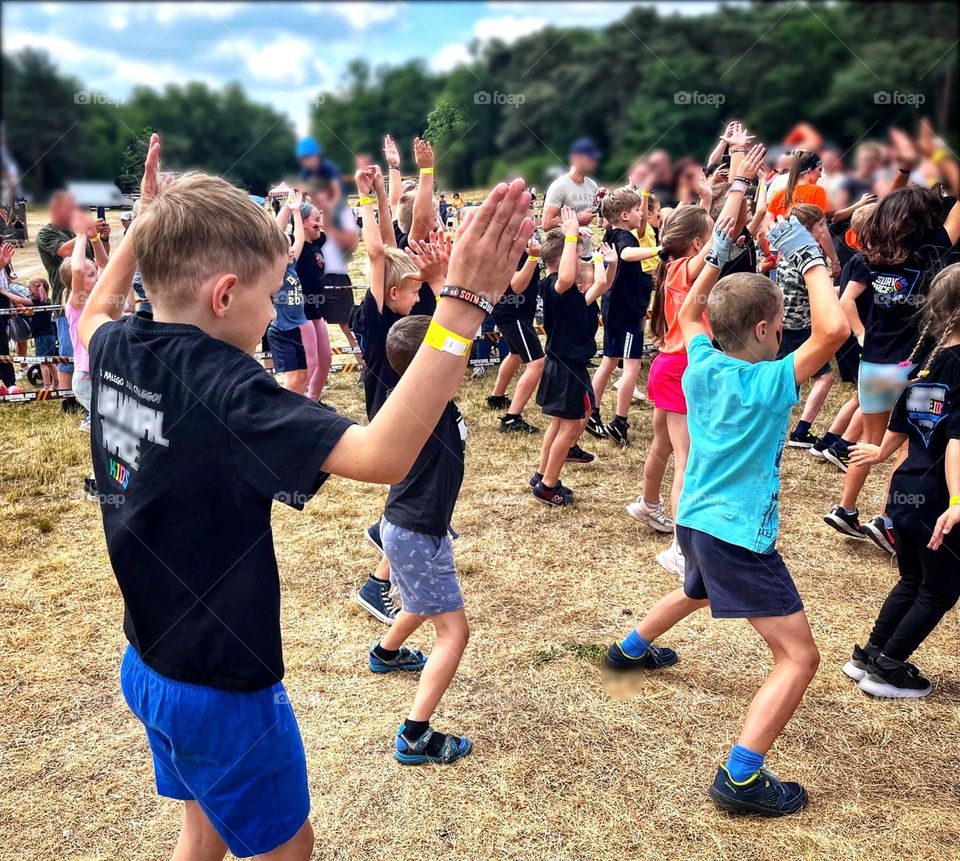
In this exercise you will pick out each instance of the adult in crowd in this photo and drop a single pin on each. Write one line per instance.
(659, 165)
(317, 169)
(576, 188)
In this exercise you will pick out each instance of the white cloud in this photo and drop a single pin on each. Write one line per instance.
(165, 13)
(117, 18)
(282, 59)
(358, 15)
(450, 56)
(508, 28)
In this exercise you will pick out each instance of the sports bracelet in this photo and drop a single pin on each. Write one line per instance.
(365, 200)
(424, 170)
(571, 238)
(938, 156)
(597, 258)
(644, 194)
(741, 178)
(531, 257)
(739, 185)
(955, 500)
(441, 338)
(467, 296)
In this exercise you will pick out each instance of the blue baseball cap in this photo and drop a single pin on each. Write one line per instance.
(307, 147)
(585, 146)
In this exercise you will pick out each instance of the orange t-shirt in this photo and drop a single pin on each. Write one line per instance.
(675, 290)
(805, 193)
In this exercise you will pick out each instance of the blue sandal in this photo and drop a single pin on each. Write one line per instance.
(414, 752)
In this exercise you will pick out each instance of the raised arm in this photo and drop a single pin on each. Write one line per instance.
(384, 216)
(567, 272)
(603, 277)
(423, 200)
(690, 317)
(524, 275)
(84, 227)
(392, 156)
(759, 209)
(294, 202)
(371, 232)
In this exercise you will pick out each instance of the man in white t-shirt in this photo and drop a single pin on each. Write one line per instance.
(575, 188)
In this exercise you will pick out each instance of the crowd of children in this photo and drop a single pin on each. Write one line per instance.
(749, 302)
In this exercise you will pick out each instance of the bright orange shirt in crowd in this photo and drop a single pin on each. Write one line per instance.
(675, 290)
(804, 193)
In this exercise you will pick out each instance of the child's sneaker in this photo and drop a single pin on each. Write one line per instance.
(91, 490)
(516, 424)
(409, 752)
(838, 456)
(653, 515)
(497, 402)
(578, 455)
(856, 667)
(671, 560)
(406, 661)
(617, 431)
(818, 449)
(557, 496)
(762, 794)
(885, 537)
(802, 440)
(374, 596)
(536, 478)
(372, 534)
(595, 426)
(655, 658)
(848, 524)
(892, 679)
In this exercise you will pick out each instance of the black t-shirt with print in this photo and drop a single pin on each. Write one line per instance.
(425, 499)
(567, 321)
(192, 442)
(899, 293)
(856, 269)
(928, 412)
(625, 303)
(511, 306)
(310, 269)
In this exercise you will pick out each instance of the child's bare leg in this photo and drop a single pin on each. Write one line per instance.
(508, 367)
(818, 394)
(873, 427)
(297, 848)
(548, 439)
(567, 434)
(401, 629)
(452, 635)
(854, 430)
(348, 334)
(843, 417)
(383, 569)
(628, 381)
(602, 376)
(319, 377)
(680, 441)
(525, 385)
(655, 466)
(670, 609)
(198, 840)
(796, 660)
(296, 381)
(64, 378)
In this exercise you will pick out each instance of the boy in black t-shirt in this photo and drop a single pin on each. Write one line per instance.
(414, 532)
(565, 393)
(184, 431)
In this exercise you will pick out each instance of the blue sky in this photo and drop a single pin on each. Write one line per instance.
(282, 53)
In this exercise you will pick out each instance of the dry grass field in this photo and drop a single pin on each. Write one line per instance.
(563, 770)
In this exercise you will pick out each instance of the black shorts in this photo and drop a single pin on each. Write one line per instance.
(337, 299)
(623, 342)
(287, 349)
(848, 360)
(739, 583)
(522, 339)
(565, 390)
(792, 339)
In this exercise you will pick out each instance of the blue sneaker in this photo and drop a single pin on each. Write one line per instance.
(374, 597)
(655, 658)
(410, 752)
(372, 534)
(762, 794)
(407, 661)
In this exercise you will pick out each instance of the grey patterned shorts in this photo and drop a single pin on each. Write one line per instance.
(422, 567)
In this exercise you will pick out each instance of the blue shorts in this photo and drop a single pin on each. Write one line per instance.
(238, 755)
(45, 345)
(286, 347)
(421, 566)
(879, 386)
(623, 342)
(65, 344)
(739, 583)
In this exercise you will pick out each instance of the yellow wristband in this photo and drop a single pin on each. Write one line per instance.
(365, 200)
(598, 258)
(446, 341)
(570, 238)
(938, 156)
(95, 237)
(531, 257)
(644, 194)
(424, 170)
(955, 500)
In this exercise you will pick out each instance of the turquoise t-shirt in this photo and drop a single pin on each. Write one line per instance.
(737, 413)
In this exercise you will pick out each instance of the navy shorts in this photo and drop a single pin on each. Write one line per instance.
(623, 342)
(521, 338)
(739, 583)
(848, 360)
(792, 339)
(238, 755)
(565, 390)
(337, 305)
(286, 346)
(45, 345)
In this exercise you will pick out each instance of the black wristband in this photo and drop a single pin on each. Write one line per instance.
(467, 296)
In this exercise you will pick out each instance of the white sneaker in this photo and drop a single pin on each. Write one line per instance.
(653, 515)
(638, 393)
(671, 560)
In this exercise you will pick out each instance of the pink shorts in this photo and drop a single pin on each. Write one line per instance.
(663, 383)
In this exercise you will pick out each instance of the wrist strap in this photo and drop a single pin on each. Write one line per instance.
(807, 257)
(644, 194)
(467, 296)
(531, 257)
(955, 500)
(424, 170)
(739, 184)
(441, 338)
(938, 156)
(364, 201)
(95, 237)
(571, 238)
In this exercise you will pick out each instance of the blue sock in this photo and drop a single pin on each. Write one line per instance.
(743, 763)
(634, 645)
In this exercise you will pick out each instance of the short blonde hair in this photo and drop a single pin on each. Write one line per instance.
(737, 303)
(396, 264)
(198, 227)
(405, 211)
(618, 201)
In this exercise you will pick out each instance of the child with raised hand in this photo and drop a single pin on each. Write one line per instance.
(740, 402)
(565, 393)
(285, 333)
(905, 242)
(182, 411)
(924, 503)
(415, 533)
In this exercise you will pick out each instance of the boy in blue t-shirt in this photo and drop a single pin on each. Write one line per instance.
(740, 403)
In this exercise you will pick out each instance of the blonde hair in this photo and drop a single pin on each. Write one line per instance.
(737, 303)
(860, 216)
(617, 202)
(678, 230)
(405, 211)
(198, 227)
(941, 314)
(396, 264)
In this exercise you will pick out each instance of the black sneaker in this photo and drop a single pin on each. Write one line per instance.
(617, 431)
(372, 535)
(655, 658)
(885, 537)
(516, 424)
(595, 426)
(557, 496)
(804, 440)
(818, 448)
(762, 794)
(497, 402)
(91, 490)
(848, 524)
(892, 679)
(578, 455)
(838, 456)
(856, 667)
(536, 478)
